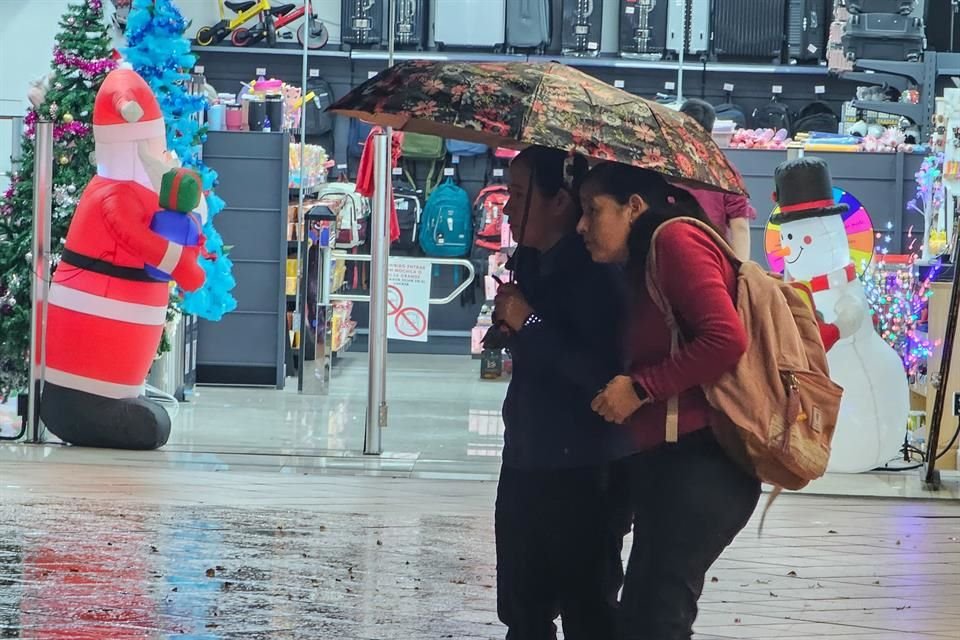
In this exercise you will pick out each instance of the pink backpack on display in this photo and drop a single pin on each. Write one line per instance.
(488, 209)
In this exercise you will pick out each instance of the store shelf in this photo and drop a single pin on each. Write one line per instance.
(914, 112)
(279, 50)
(914, 71)
(899, 83)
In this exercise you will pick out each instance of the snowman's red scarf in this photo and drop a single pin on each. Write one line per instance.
(830, 280)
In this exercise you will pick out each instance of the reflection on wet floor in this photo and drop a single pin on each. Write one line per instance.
(91, 571)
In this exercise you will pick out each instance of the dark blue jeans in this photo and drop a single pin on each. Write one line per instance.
(690, 500)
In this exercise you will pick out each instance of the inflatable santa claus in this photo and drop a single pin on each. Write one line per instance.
(106, 312)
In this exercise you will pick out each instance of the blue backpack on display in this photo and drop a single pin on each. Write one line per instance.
(446, 225)
(465, 149)
(357, 137)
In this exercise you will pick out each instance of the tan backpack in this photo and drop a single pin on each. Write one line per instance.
(776, 411)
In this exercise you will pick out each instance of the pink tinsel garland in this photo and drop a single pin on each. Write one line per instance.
(89, 68)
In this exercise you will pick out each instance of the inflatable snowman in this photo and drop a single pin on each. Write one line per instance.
(815, 249)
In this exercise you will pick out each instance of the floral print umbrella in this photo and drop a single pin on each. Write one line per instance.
(515, 104)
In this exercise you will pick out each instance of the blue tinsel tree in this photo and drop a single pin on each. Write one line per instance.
(158, 51)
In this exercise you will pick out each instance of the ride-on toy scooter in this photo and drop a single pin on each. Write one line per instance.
(245, 11)
(282, 16)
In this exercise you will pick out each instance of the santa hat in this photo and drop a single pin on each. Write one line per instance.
(126, 109)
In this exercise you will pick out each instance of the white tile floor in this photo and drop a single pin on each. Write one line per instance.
(307, 538)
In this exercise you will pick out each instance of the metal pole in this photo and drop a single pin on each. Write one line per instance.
(302, 244)
(391, 31)
(379, 251)
(683, 49)
(40, 273)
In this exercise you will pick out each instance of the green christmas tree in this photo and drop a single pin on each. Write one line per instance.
(82, 57)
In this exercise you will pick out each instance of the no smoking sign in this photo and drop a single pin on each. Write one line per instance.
(408, 300)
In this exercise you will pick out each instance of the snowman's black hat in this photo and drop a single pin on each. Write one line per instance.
(804, 190)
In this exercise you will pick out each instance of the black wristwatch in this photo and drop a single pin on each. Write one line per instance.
(640, 391)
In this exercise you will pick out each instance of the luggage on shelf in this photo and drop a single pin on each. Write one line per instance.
(582, 27)
(692, 30)
(362, 23)
(643, 28)
(883, 36)
(808, 22)
(528, 24)
(411, 20)
(749, 28)
(903, 7)
(469, 24)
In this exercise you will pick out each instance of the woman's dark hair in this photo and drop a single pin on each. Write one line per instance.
(701, 111)
(553, 169)
(666, 201)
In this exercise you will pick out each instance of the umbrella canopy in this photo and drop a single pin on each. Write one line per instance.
(516, 104)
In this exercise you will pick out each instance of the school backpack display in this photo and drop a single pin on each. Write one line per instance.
(446, 225)
(773, 115)
(466, 149)
(488, 212)
(357, 138)
(352, 211)
(409, 211)
(733, 112)
(318, 121)
(816, 116)
(776, 411)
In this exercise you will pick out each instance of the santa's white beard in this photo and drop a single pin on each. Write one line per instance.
(125, 161)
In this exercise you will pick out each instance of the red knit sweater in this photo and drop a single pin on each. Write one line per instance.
(700, 284)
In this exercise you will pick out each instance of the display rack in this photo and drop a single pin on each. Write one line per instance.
(922, 76)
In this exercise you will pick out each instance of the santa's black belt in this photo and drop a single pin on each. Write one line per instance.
(103, 267)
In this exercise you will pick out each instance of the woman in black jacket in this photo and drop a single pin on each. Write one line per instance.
(559, 524)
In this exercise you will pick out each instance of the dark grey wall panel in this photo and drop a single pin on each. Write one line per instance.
(247, 346)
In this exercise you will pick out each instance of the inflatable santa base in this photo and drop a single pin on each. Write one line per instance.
(89, 420)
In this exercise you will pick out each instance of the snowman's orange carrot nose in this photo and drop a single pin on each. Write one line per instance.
(782, 252)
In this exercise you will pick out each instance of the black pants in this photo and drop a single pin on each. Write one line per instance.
(559, 539)
(690, 501)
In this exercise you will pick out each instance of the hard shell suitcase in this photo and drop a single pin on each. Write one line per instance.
(807, 29)
(643, 28)
(469, 24)
(749, 28)
(528, 24)
(903, 7)
(411, 20)
(362, 23)
(883, 36)
(692, 30)
(582, 27)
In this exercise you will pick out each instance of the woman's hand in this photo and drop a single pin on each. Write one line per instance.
(618, 401)
(511, 307)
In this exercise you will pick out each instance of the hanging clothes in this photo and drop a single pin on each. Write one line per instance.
(365, 178)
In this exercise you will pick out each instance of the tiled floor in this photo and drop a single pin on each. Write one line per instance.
(98, 550)
(262, 519)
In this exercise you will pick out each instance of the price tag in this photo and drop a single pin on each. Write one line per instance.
(819, 89)
(448, 172)
(261, 71)
(630, 10)
(341, 166)
(498, 173)
(372, 74)
(397, 171)
(198, 69)
(669, 86)
(314, 73)
(618, 84)
(777, 89)
(728, 87)
(455, 159)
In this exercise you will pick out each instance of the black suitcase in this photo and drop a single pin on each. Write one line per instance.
(582, 27)
(749, 28)
(411, 21)
(903, 7)
(883, 36)
(643, 28)
(362, 23)
(808, 25)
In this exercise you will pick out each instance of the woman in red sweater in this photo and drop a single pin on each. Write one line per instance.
(690, 499)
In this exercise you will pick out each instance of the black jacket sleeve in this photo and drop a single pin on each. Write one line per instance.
(584, 346)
